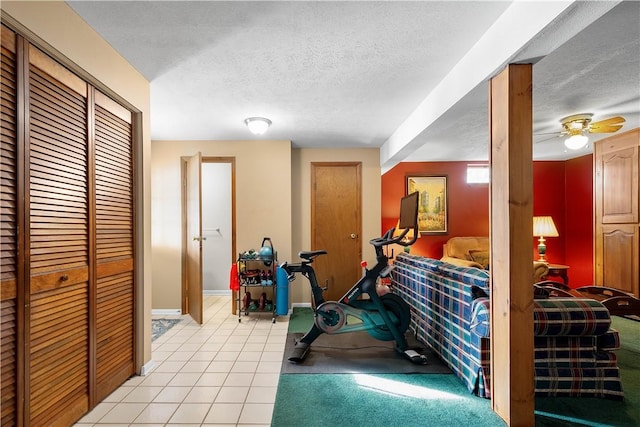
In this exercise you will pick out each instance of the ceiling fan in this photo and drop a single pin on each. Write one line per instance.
(577, 126)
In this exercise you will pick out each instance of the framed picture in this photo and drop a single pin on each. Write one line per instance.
(432, 203)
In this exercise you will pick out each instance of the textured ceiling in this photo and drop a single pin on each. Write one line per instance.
(372, 74)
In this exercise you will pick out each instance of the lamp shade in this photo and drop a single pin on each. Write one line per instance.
(257, 125)
(543, 226)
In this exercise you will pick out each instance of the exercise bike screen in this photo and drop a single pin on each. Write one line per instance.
(409, 211)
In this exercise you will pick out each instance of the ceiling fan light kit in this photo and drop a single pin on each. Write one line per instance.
(257, 125)
(576, 142)
(578, 125)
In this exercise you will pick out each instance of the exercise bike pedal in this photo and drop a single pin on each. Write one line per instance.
(415, 357)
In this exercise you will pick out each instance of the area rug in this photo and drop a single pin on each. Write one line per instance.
(160, 326)
(355, 352)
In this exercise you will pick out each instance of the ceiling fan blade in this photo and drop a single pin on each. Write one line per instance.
(605, 129)
(607, 125)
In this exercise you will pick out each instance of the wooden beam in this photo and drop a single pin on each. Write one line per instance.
(512, 375)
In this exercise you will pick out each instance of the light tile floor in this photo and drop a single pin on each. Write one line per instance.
(222, 373)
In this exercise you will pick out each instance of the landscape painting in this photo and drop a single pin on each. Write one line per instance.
(432, 203)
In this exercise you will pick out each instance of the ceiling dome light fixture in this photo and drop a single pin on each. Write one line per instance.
(576, 142)
(257, 125)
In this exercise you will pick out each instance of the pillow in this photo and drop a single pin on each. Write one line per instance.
(481, 257)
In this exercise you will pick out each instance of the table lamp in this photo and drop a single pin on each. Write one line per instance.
(543, 226)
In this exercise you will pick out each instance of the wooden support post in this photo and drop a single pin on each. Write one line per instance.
(512, 375)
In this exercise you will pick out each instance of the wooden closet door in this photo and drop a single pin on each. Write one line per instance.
(9, 236)
(114, 245)
(58, 250)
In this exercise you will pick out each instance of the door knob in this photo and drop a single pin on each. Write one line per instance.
(353, 236)
(196, 238)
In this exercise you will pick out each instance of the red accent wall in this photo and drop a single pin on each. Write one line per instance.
(579, 220)
(548, 200)
(468, 204)
(562, 189)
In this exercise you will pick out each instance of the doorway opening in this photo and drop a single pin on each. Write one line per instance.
(208, 229)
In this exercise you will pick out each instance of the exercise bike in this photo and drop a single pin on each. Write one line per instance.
(385, 317)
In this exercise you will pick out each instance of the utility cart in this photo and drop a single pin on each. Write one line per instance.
(257, 279)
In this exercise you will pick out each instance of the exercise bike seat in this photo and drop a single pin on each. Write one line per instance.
(310, 255)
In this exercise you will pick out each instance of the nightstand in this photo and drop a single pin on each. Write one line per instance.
(558, 270)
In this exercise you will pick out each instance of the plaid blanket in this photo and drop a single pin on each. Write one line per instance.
(450, 313)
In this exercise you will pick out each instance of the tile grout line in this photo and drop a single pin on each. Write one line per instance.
(202, 341)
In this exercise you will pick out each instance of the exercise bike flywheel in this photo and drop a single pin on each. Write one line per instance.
(330, 317)
(396, 305)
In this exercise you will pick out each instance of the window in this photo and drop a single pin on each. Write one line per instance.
(478, 174)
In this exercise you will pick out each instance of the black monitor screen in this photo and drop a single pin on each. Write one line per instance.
(409, 211)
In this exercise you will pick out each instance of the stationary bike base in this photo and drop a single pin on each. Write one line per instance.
(299, 352)
(415, 357)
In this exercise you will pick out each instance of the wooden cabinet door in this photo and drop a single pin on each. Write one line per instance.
(616, 212)
(58, 295)
(617, 255)
(616, 189)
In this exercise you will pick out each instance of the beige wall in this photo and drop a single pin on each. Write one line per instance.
(299, 291)
(55, 28)
(272, 199)
(263, 204)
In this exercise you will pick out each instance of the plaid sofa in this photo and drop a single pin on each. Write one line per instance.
(574, 346)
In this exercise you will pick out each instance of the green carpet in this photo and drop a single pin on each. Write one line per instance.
(300, 320)
(441, 400)
(378, 400)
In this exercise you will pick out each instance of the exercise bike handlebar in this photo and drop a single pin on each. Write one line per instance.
(388, 238)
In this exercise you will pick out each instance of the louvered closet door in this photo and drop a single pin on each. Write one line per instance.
(8, 236)
(114, 245)
(58, 314)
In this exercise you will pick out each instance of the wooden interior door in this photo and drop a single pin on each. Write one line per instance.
(194, 237)
(114, 245)
(336, 222)
(58, 297)
(10, 349)
(67, 298)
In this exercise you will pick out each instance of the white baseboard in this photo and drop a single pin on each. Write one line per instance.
(166, 312)
(216, 292)
(301, 304)
(147, 367)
